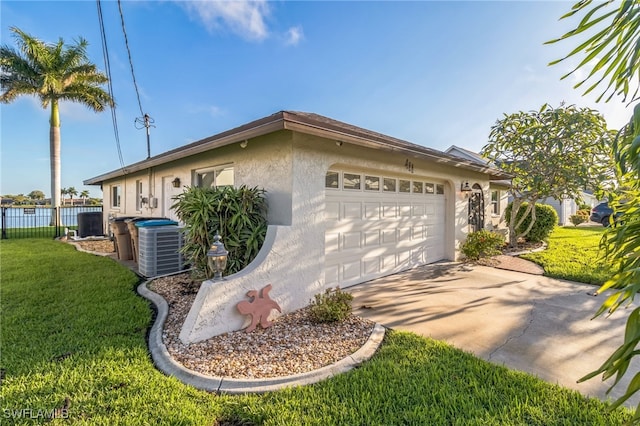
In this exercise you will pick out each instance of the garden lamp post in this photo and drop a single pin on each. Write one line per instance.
(217, 257)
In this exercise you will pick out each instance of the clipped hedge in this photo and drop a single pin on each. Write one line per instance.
(546, 220)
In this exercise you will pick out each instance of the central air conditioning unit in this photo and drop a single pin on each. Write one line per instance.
(159, 250)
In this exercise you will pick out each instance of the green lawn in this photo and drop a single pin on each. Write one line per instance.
(73, 332)
(574, 254)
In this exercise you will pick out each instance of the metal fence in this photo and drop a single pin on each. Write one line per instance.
(41, 222)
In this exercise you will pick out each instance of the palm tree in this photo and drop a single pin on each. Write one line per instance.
(63, 192)
(84, 195)
(53, 73)
(72, 191)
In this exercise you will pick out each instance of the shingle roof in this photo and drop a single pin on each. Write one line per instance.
(304, 122)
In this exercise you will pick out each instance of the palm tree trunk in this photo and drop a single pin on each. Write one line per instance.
(54, 153)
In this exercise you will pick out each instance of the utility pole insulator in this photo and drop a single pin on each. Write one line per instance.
(146, 122)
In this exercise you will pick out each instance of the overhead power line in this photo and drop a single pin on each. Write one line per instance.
(145, 120)
(107, 65)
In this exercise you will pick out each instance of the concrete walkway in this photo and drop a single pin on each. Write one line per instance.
(526, 322)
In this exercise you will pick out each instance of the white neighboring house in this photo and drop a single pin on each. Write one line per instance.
(569, 206)
(500, 191)
(346, 205)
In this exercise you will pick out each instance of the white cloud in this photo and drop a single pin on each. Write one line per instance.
(245, 18)
(210, 110)
(294, 35)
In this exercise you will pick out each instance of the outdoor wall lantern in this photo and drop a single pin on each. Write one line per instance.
(465, 189)
(217, 257)
(176, 183)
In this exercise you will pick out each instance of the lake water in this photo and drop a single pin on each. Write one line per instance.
(34, 217)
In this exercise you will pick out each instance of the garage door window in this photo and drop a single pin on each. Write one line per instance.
(372, 183)
(417, 187)
(440, 189)
(405, 185)
(429, 188)
(351, 181)
(389, 185)
(332, 180)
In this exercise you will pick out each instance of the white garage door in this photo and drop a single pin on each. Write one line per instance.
(378, 224)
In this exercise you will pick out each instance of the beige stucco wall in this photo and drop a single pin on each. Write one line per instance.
(293, 257)
(291, 167)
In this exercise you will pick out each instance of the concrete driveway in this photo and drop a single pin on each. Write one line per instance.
(526, 322)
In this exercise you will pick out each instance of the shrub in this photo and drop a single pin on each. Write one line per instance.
(482, 244)
(577, 219)
(546, 220)
(238, 214)
(581, 216)
(331, 306)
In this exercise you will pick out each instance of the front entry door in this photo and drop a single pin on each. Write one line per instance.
(476, 209)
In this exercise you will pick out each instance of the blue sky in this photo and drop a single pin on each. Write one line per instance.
(432, 73)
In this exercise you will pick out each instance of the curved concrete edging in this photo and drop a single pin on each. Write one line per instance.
(165, 363)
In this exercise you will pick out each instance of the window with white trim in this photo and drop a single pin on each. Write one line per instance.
(351, 181)
(116, 192)
(389, 185)
(405, 186)
(495, 202)
(429, 188)
(138, 195)
(332, 180)
(214, 177)
(372, 183)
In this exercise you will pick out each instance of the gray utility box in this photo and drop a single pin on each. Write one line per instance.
(159, 250)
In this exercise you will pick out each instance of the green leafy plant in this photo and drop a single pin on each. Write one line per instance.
(238, 214)
(581, 216)
(546, 219)
(610, 55)
(331, 306)
(481, 244)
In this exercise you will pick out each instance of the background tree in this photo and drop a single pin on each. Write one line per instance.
(84, 195)
(63, 193)
(53, 73)
(612, 50)
(552, 152)
(72, 191)
(36, 195)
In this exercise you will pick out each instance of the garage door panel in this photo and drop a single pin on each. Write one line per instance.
(332, 210)
(418, 210)
(332, 242)
(351, 240)
(372, 238)
(389, 236)
(390, 210)
(371, 266)
(331, 275)
(372, 211)
(351, 270)
(351, 210)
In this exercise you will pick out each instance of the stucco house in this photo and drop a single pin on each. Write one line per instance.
(346, 205)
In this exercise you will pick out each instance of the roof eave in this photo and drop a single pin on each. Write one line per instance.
(251, 130)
